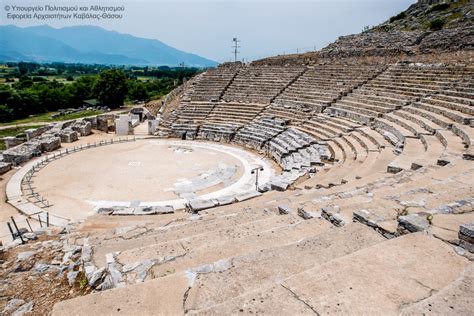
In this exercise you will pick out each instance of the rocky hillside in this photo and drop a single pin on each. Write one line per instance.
(431, 15)
(427, 28)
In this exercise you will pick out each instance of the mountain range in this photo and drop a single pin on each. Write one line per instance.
(89, 45)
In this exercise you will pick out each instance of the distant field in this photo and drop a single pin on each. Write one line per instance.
(144, 78)
(46, 117)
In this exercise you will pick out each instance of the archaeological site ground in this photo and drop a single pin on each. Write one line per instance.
(333, 182)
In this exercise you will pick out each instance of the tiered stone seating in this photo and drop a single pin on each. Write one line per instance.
(227, 117)
(451, 109)
(396, 87)
(295, 114)
(211, 263)
(260, 131)
(287, 142)
(385, 101)
(190, 117)
(325, 127)
(260, 84)
(211, 85)
(286, 252)
(324, 84)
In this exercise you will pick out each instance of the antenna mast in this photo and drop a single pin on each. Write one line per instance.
(235, 47)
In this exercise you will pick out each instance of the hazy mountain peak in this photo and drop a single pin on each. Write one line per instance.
(89, 44)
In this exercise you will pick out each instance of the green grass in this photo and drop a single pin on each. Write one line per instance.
(46, 117)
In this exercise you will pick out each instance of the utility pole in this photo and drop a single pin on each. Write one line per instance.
(236, 47)
(182, 70)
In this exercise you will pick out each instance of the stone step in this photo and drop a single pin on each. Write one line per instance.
(413, 149)
(449, 300)
(374, 136)
(381, 279)
(165, 295)
(181, 255)
(252, 271)
(413, 127)
(126, 237)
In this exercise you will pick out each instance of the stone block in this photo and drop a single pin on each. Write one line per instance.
(284, 209)
(247, 196)
(466, 236)
(11, 141)
(36, 132)
(139, 210)
(5, 167)
(307, 214)
(123, 125)
(194, 206)
(22, 153)
(279, 185)
(225, 200)
(367, 218)
(331, 213)
(68, 135)
(467, 229)
(393, 169)
(152, 126)
(106, 122)
(413, 223)
(92, 120)
(84, 128)
(49, 143)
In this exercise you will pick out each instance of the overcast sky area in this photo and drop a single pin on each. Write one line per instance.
(206, 28)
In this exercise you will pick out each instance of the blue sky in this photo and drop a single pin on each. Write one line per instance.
(206, 28)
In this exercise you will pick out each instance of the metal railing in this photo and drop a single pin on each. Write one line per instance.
(17, 230)
(28, 189)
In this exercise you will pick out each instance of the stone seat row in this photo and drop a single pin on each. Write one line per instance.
(211, 85)
(295, 114)
(260, 131)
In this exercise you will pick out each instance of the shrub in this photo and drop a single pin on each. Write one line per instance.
(397, 17)
(437, 24)
(439, 7)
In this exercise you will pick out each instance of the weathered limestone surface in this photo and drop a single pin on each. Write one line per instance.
(466, 236)
(414, 222)
(5, 167)
(84, 128)
(140, 210)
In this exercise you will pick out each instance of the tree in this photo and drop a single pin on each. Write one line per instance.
(111, 88)
(80, 90)
(23, 103)
(137, 90)
(6, 114)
